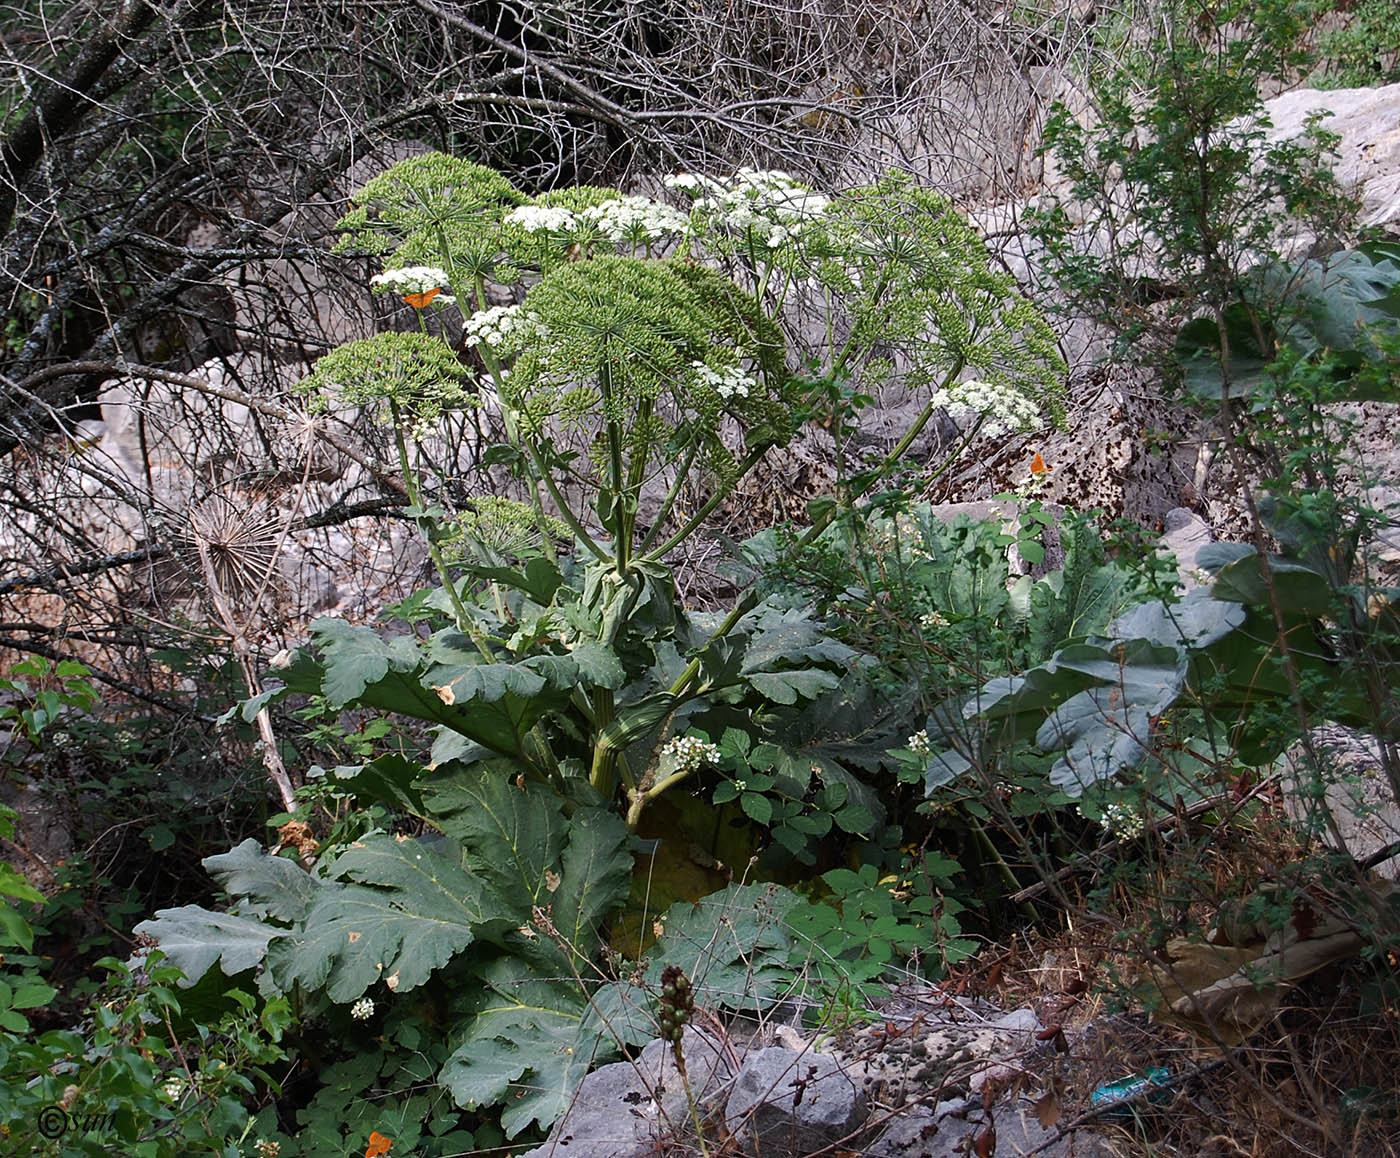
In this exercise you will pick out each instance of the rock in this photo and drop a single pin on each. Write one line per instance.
(787, 1104)
(948, 1130)
(1186, 533)
(1368, 155)
(628, 1109)
(1348, 778)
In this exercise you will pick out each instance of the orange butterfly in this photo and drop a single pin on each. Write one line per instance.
(378, 1144)
(418, 301)
(1038, 465)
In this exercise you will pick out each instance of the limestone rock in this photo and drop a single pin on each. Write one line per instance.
(792, 1104)
(627, 1109)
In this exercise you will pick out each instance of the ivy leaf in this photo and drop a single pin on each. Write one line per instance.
(194, 938)
(412, 908)
(511, 835)
(269, 886)
(523, 1048)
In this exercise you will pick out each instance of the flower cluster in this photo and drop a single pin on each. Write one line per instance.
(919, 743)
(933, 619)
(411, 279)
(543, 219)
(636, 219)
(362, 1010)
(1003, 407)
(729, 382)
(765, 202)
(690, 752)
(622, 219)
(268, 1149)
(1122, 820)
(174, 1088)
(505, 329)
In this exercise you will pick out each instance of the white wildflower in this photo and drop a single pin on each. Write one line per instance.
(362, 1010)
(543, 219)
(174, 1088)
(411, 279)
(919, 742)
(1002, 406)
(636, 219)
(505, 329)
(729, 382)
(1123, 820)
(933, 619)
(690, 752)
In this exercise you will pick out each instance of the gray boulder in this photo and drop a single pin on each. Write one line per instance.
(630, 1108)
(787, 1104)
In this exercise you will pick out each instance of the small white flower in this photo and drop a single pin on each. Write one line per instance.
(410, 279)
(690, 752)
(729, 382)
(933, 619)
(174, 1088)
(919, 742)
(543, 218)
(362, 1010)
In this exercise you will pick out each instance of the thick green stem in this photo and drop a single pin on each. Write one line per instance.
(887, 465)
(410, 482)
(710, 504)
(682, 473)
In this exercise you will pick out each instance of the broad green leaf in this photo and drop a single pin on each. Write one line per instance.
(268, 886)
(1101, 732)
(194, 938)
(1300, 590)
(524, 1047)
(598, 665)
(595, 876)
(786, 687)
(1198, 620)
(387, 779)
(355, 657)
(412, 907)
(512, 835)
(733, 945)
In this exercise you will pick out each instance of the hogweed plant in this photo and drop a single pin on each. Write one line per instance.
(630, 349)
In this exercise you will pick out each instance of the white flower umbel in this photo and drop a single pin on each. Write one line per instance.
(690, 752)
(728, 381)
(543, 219)
(362, 1010)
(766, 203)
(1002, 406)
(506, 329)
(411, 279)
(636, 219)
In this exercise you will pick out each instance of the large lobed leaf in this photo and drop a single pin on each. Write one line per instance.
(412, 906)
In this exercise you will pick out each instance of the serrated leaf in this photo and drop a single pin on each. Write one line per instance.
(462, 684)
(733, 945)
(598, 665)
(1100, 733)
(523, 1048)
(388, 779)
(412, 908)
(511, 835)
(194, 938)
(756, 807)
(785, 687)
(266, 885)
(356, 657)
(595, 876)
